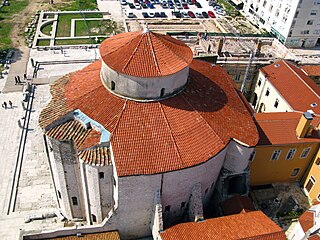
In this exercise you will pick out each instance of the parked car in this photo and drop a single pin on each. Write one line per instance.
(131, 15)
(131, 6)
(189, 2)
(163, 14)
(150, 5)
(185, 6)
(157, 15)
(144, 6)
(177, 14)
(221, 12)
(171, 6)
(191, 14)
(123, 2)
(211, 14)
(164, 5)
(198, 15)
(198, 5)
(152, 14)
(145, 15)
(205, 14)
(179, 6)
(137, 6)
(156, 2)
(185, 15)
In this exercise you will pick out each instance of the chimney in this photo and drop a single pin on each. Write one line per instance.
(304, 125)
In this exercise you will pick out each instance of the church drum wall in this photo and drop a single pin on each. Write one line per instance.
(148, 88)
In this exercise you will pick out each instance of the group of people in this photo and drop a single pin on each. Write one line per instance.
(17, 79)
(5, 105)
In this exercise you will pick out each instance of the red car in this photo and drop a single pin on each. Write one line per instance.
(211, 14)
(191, 14)
(185, 6)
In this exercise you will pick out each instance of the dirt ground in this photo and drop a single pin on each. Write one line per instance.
(22, 18)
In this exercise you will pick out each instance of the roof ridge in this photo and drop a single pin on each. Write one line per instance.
(294, 72)
(172, 137)
(202, 118)
(153, 53)
(161, 40)
(117, 123)
(134, 52)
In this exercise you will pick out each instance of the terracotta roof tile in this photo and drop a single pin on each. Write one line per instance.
(167, 135)
(306, 220)
(73, 130)
(314, 237)
(128, 52)
(114, 235)
(252, 225)
(280, 128)
(99, 156)
(237, 204)
(297, 88)
(311, 70)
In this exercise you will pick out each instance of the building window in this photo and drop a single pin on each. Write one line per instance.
(275, 155)
(259, 82)
(309, 22)
(318, 197)
(310, 183)
(295, 172)
(291, 153)
(317, 162)
(167, 208)
(113, 85)
(59, 194)
(313, 12)
(276, 103)
(305, 152)
(162, 92)
(74, 201)
(183, 204)
(101, 175)
(305, 32)
(94, 218)
(252, 155)
(114, 182)
(297, 14)
(267, 92)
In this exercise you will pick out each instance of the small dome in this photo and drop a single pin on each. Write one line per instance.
(145, 54)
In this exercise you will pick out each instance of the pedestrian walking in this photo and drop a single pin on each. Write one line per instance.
(25, 76)
(19, 81)
(10, 104)
(4, 105)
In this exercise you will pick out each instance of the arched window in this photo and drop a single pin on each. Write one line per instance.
(113, 85)
(162, 92)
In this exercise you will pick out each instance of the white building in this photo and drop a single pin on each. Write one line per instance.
(296, 23)
(283, 87)
(143, 138)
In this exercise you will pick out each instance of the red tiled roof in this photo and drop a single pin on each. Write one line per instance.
(172, 134)
(314, 237)
(128, 52)
(95, 156)
(280, 128)
(311, 70)
(306, 220)
(297, 88)
(251, 225)
(237, 204)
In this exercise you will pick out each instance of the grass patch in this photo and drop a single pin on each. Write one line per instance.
(227, 6)
(73, 41)
(96, 27)
(43, 42)
(47, 29)
(79, 5)
(6, 15)
(64, 22)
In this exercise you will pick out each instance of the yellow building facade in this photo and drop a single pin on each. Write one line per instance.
(311, 183)
(288, 145)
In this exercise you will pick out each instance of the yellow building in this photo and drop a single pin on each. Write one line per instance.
(311, 184)
(289, 143)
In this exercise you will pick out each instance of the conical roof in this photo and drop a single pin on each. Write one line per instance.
(145, 54)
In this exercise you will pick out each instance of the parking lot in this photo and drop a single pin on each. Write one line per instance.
(168, 9)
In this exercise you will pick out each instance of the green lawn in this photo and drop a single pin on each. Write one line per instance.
(73, 41)
(43, 42)
(227, 6)
(96, 27)
(6, 15)
(64, 22)
(79, 5)
(47, 29)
